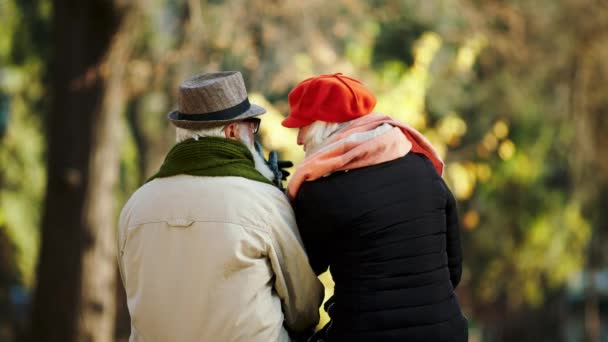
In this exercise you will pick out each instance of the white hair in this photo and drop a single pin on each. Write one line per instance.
(318, 133)
(182, 134)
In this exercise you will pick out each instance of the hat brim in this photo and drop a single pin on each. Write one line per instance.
(254, 110)
(293, 122)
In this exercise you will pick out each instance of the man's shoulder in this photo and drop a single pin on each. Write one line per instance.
(186, 185)
(205, 198)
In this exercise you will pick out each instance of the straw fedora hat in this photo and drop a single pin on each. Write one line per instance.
(213, 98)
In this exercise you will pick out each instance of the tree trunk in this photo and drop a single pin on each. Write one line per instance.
(74, 298)
(592, 309)
(596, 260)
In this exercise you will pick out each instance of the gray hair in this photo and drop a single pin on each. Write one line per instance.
(319, 132)
(217, 131)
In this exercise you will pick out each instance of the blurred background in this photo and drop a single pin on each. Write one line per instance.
(513, 93)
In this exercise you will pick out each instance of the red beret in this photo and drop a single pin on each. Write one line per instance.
(330, 98)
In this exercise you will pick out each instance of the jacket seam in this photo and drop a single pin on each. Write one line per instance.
(260, 228)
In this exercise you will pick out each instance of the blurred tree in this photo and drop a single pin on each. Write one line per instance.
(23, 48)
(537, 84)
(74, 297)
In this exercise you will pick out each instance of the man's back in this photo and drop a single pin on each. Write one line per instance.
(203, 259)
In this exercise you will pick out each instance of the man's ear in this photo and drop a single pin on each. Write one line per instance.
(231, 131)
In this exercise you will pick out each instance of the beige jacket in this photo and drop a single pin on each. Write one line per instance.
(214, 259)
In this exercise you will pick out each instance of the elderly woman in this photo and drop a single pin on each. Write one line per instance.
(370, 203)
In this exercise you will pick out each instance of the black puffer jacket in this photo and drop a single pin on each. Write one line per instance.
(390, 235)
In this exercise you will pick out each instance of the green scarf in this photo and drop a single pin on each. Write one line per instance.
(210, 157)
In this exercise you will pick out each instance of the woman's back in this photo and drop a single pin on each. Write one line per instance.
(389, 233)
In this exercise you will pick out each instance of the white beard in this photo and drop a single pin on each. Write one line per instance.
(259, 162)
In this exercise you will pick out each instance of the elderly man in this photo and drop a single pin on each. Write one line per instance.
(371, 204)
(208, 248)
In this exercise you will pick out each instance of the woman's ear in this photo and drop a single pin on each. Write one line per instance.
(231, 131)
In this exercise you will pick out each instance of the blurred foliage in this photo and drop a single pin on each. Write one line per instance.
(512, 94)
(22, 175)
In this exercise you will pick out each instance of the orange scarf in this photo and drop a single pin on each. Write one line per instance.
(346, 149)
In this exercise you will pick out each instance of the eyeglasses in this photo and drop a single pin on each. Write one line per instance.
(256, 123)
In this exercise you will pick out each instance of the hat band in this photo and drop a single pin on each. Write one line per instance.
(220, 115)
